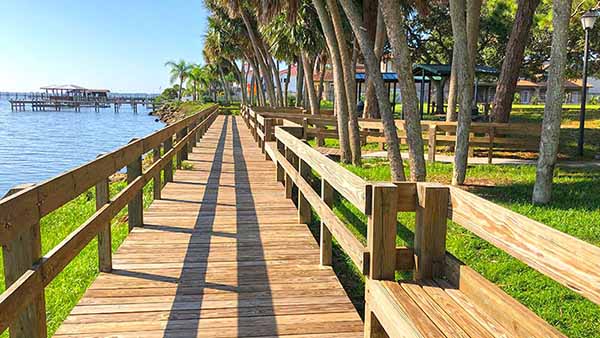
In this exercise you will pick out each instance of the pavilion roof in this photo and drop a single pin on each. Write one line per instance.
(63, 87)
(389, 77)
(446, 69)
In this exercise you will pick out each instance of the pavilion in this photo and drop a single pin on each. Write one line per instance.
(74, 93)
(438, 73)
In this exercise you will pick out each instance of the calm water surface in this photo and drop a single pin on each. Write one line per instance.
(35, 146)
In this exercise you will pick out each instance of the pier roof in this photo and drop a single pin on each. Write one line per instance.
(72, 87)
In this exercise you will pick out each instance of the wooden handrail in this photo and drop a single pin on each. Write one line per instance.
(32, 282)
(567, 260)
(29, 205)
(564, 258)
(488, 135)
(349, 243)
(353, 188)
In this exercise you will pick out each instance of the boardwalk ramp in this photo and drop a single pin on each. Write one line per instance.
(220, 255)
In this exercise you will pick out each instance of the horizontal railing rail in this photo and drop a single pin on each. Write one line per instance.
(571, 262)
(487, 135)
(27, 271)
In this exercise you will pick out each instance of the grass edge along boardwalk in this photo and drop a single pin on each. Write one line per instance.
(221, 254)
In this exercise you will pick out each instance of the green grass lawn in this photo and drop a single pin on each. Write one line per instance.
(192, 107)
(574, 210)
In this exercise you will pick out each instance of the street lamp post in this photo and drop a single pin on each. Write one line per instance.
(587, 21)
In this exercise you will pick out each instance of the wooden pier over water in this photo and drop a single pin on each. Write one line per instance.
(224, 250)
(45, 104)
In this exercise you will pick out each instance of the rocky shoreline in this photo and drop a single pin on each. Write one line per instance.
(168, 113)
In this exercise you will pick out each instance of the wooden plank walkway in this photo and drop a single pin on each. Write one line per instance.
(221, 255)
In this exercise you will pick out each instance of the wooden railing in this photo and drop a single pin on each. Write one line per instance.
(571, 262)
(488, 136)
(27, 272)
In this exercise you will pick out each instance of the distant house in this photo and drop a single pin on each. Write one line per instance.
(535, 92)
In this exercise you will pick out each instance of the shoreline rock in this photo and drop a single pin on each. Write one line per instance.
(168, 113)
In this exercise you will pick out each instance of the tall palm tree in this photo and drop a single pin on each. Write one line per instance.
(179, 70)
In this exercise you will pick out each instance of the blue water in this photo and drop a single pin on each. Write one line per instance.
(36, 146)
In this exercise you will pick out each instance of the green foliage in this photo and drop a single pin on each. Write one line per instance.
(517, 98)
(169, 94)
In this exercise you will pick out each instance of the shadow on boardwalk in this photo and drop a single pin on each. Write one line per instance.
(251, 267)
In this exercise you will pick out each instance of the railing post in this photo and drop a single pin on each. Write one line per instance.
(179, 156)
(192, 140)
(289, 184)
(168, 145)
(255, 130)
(135, 206)
(492, 135)
(320, 138)
(185, 150)
(280, 170)
(104, 235)
(19, 256)
(268, 134)
(381, 242)
(304, 212)
(327, 198)
(198, 135)
(157, 187)
(430, 230)
(305, 128)
(432, 133)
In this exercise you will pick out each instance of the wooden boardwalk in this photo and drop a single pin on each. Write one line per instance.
(220, 255)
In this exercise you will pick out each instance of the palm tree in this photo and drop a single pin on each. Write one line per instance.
(179, 70)
(194, 78)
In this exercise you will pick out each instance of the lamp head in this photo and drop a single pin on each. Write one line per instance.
(588, 19)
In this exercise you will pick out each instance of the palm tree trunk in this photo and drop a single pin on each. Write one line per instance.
(439, 96)
(452, 88)
(464, 77)
(299, 82)
(278, 87)
(263, 67)
(323, 68)
(509, 75)
(257, 82)
(310, 85)
(341, 103)
(394, 20)
(239, 78)
(348, 68)
(274, 70)
(372, 65)
(287, 84)
(542, 190)
(180, 88)
(374, 23)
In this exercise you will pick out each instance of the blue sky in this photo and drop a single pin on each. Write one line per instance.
(119, 45)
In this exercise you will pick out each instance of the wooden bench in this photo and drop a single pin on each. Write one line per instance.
(445, 298)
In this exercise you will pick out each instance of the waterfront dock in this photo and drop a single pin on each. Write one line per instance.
(46, 104)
